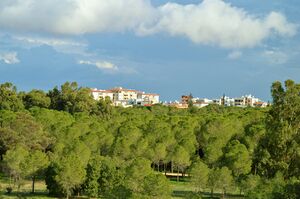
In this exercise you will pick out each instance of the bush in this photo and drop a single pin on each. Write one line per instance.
(9, 190)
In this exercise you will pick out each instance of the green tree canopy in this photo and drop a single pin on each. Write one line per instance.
(237, 158)
(9, 99)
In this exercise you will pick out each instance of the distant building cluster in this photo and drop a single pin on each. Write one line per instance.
(244, 101)
(126, 97)
(129, 97)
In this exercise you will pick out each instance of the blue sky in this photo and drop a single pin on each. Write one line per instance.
(172, 48)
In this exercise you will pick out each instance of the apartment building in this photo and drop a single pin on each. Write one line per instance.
(126, 97)
(101, 94)
(244, 101)
(186, 98)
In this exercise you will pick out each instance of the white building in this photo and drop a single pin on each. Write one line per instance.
(251, 100)
(227, 101)
(200, 103)
(247, 100)
(101, 94)
(126, 97)
(147, 98)
(244, 101)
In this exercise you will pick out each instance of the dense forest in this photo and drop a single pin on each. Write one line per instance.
(80, 146)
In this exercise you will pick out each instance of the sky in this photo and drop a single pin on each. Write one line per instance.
(204, 47)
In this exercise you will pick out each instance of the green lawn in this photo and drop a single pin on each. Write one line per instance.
(24, 191)
(180, 190)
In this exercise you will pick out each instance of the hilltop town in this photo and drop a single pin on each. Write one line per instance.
(130, 97)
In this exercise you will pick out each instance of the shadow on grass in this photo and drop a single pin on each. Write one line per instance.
(180, 194)
(183, 194)
(36, 195)
(23, 195)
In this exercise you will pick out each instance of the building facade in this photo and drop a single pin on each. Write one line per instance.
(244, 101)
(126, 97)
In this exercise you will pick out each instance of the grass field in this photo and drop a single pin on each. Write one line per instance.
(24, 190)
(180, 190)
(183, 188)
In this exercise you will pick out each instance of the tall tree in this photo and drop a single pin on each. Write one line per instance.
(36, 98)
(9, 99)
(281, 142)
(14, 159)
(34, 164)
(199, 175)
(237, 158)
(72, 99)
(70, 173)
(181, 159)
(156, 186)
(220, 178)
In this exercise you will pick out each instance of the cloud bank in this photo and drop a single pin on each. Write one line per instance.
(9, 57)
(215, 22)
(211, 22)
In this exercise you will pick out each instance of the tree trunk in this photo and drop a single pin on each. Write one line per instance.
(33, 181)
(224, 193)
(177, 174)
(158, 167)
(172, 167)
(212, 193)
(165, 169)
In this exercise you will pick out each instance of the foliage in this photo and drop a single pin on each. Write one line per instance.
(34, 164)
(36, 98)
(281, 145)
(199, 175)
(82, 146)
(70, 173)
(237, 158)
(9, 99)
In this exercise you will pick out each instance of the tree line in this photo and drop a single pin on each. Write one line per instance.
(87, 147)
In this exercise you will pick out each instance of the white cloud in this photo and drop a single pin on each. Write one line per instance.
(48, 41)
(235, 55)
(215, 22)
(74, 16)
(275, 56)
(60, 45)
(104, 65)
(9, 57)
(211, 22)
